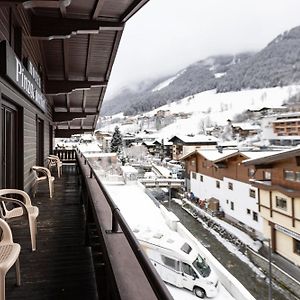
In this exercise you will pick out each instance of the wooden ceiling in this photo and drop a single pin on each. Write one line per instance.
(79, 41)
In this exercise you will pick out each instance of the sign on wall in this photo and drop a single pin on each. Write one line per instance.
(288, 232)
(12, 67)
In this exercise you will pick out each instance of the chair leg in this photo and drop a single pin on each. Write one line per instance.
(34, 188)
(2, 285)
(33, 232)
(50, 188)
(18, 272)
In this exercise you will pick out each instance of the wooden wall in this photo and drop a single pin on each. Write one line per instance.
(30, 49)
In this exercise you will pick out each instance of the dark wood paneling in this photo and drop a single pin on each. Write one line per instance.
(4, 23)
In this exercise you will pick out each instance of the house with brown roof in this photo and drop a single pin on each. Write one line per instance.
(220, 174)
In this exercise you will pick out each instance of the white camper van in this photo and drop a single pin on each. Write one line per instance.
(178, 263)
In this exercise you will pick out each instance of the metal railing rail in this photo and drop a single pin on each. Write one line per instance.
(118, 220)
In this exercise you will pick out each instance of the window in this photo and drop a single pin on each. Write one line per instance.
(187, 269)
(227, 201)
(297, 246)
(230, 185)
(281, 203)
(201, 178)
(252, 193)
(267, 175)
(186, 248)
(289, 175)
(231, 205)
(251, 172)
(255, 216)
(248, 211)
(297, 176)
(193, 175)
(170, 262)
(218, 184)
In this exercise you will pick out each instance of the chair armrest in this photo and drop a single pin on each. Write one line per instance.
(24, 195)
(15, 201)
(42, 170)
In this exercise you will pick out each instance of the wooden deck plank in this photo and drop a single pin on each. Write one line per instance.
(62, 266)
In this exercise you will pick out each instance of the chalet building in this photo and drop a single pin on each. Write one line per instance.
(244, 130)
(183, 145)
(55, 62)
(277, 179)
(163, 148)
(222, 175)
(150, 146)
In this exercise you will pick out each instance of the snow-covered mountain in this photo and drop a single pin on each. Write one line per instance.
(205, 109)
(278, 64)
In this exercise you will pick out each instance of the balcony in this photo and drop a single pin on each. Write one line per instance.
(85, 249)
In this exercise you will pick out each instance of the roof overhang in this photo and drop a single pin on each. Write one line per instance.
(79, 40)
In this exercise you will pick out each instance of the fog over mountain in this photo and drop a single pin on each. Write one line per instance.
(278, 64)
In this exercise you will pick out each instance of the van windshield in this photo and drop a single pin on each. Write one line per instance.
(201, 266)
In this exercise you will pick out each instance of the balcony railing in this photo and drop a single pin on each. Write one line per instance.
(129, 273)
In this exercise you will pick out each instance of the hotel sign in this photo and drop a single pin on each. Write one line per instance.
(28, 83)
(288, 232)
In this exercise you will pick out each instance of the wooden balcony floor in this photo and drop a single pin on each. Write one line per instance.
(61, 267)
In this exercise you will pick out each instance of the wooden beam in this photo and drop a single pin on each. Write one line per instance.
(58, 87)
(64, 133)
(69, 116)
(84, 101)
(97, 9)
(68, 102)
(36, 3)
(132, 9)
(49, 28)
(88, 57)
(66, 58)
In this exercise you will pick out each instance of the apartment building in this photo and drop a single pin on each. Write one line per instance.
(287, 124)
(279, 200)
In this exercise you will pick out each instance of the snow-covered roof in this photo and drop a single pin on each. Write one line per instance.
(287, 120)
(129, 170)
(201, 138)
(246, 126)
(214, 155)
(273, 156)
(258, 154)
(148, 143)
(232, 143)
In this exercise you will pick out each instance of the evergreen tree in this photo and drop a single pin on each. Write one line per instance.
(116, 143)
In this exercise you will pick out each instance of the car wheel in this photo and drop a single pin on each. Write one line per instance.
(199, 292)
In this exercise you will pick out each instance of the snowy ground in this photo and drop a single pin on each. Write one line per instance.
(139, 210)
(182, 294)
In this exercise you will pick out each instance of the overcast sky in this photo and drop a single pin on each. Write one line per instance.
(167, 35)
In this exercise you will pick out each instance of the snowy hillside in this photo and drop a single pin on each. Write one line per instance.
(210, 107)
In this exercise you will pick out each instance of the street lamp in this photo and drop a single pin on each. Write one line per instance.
(270, 266)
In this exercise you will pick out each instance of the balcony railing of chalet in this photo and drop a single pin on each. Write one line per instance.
(66, 155)
(128, 273)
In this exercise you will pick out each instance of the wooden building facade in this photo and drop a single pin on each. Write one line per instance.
(279, 201)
